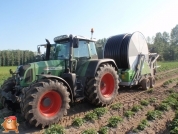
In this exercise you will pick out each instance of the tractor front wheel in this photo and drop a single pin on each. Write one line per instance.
(46, 102)
(103, 89)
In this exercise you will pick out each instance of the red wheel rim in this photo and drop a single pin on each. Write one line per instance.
(50, 103)
(107, 85)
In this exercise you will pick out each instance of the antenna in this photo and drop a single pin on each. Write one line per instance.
(92, 31)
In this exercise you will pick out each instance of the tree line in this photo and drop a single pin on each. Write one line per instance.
(16, 57)
(165, 44)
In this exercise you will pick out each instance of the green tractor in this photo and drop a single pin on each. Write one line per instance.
(71, 71)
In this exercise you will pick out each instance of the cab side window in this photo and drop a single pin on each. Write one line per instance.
(92, 49)
(82, 50)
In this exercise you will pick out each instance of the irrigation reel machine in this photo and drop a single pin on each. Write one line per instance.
(71, 71)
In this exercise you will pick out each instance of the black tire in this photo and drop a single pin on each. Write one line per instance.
(152, 82)
(56, 96)
(23, 95)
(145, 84)
(103, 89)
(7, 86)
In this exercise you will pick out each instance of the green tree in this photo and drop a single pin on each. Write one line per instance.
(174, 35)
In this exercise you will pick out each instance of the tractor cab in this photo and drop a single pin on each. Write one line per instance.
(75, 51)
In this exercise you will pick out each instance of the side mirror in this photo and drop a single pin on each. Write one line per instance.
(39, 50)
(75, 42)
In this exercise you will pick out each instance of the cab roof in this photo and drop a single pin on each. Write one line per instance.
(62, 37)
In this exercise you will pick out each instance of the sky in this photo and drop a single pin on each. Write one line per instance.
(26, 24)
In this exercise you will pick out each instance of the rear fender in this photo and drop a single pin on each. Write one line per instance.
(89, 68)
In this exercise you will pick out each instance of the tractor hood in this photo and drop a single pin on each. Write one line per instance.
(53, 67)
(28, 73)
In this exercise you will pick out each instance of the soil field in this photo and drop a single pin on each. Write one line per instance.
(119, 117)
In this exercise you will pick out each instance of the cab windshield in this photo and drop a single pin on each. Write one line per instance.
(62, 50)
(86, 49)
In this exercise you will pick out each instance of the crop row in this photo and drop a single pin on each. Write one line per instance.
(165, 75)
(170, 102)
(164, 66)
(174, 124)
(99, 112)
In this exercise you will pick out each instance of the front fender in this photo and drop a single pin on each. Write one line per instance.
(46, 76)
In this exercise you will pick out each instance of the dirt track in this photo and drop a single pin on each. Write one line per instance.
(127, 96)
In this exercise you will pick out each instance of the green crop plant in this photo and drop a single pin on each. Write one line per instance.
(78, 122)
(55, 129)
(136, 108)
(176, 114)
(171, 90)
(89, 131)
(174, 131)
(144, 102)
(128, 113)
(174, 95)
(135, 130)
(171, 80)
(116, 106)
(150, 90)
(91, 116)
(103, 130)
(144, 121)
(100, 111)
(166, 83)
(172, 100)
(152, 100)
(143, 124)
(114, 120)
(176, 105)
(174, 126)
(152, 115)
(163, 107)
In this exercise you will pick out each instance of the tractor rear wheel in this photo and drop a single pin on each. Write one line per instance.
(103, 89)
(152, 82)
(45, 102)
(145, 83)
(8, 86)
